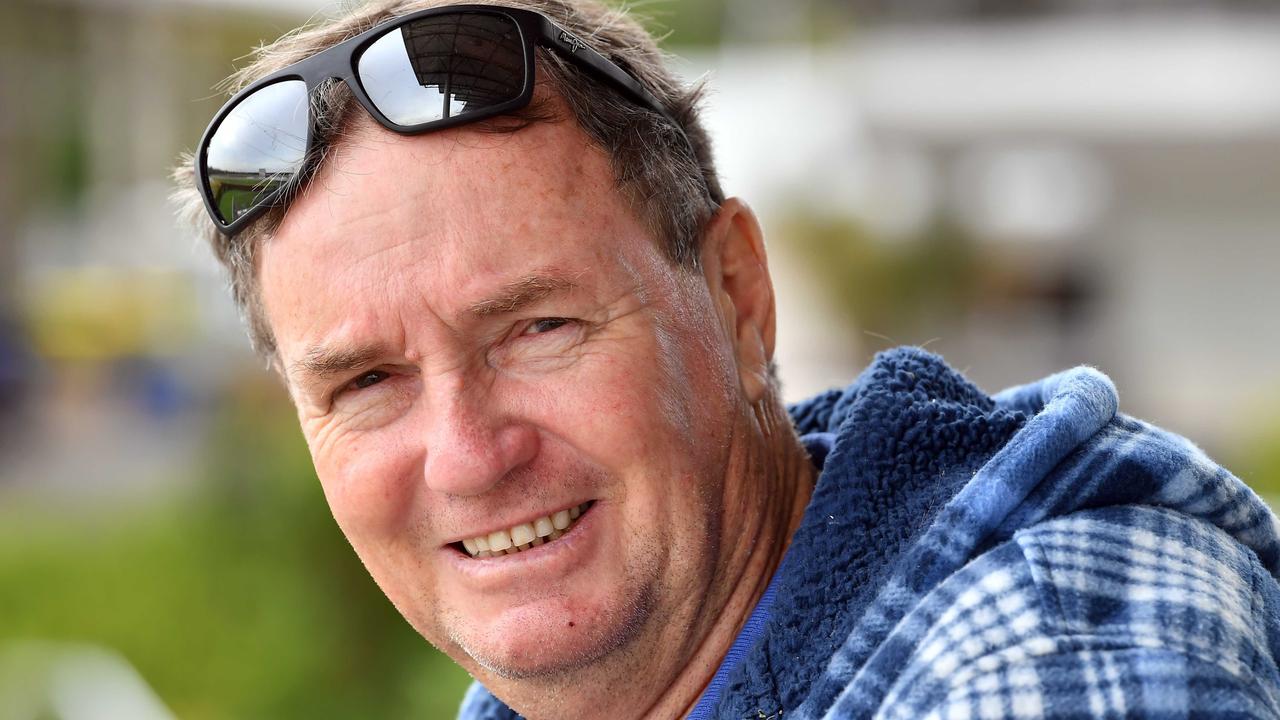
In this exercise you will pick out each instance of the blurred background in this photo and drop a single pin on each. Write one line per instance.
(1020, 185)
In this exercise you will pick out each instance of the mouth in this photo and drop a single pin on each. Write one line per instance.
(525, 536)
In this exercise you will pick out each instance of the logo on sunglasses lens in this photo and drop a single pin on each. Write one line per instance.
(574, 43)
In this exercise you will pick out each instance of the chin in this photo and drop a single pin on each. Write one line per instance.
(549, 639)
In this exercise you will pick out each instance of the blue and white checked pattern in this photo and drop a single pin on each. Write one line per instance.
(1160, 606)
(1119, 612)
(1092, 566)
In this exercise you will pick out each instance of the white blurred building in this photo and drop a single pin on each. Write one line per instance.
(1129, 163)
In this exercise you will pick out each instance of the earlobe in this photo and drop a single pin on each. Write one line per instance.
(738, 275)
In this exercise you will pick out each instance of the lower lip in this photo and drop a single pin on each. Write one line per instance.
(554, 558)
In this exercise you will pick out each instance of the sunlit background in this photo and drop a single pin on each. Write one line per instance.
(1021, 185)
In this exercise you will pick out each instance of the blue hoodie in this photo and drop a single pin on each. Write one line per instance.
(1033, 554)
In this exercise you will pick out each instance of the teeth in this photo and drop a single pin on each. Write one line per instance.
(522, 534)
(543, 527)
(525, 535)
(499, 540)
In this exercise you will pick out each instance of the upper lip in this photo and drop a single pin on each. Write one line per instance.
(527, 518)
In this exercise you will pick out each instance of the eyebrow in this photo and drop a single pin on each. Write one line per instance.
(522, 293)
(320, 362)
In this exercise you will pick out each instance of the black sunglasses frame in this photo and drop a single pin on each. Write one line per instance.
(340, 62)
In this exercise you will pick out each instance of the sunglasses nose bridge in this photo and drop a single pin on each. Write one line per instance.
(318, 83)
(347, 76)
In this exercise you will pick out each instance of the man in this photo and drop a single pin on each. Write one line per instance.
(529, 341)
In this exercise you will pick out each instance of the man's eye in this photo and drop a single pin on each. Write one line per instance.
(373, 377)
(546, 325)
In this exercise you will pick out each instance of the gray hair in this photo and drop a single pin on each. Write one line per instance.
(670, 183)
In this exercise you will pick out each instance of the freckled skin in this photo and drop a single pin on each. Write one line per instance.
(637, 404)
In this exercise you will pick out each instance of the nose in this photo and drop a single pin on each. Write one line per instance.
(472, 443)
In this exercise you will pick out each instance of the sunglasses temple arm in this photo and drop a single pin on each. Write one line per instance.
(603, 69)
(607, 71)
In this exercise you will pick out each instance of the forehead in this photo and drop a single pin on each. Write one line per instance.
(450, 212)
(544, 173)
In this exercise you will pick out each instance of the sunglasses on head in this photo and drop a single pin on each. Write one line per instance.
(427, 70)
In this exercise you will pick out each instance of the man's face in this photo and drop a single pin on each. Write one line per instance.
(479, 333)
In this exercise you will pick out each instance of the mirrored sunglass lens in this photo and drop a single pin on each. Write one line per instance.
(257, 148)
(443, 66)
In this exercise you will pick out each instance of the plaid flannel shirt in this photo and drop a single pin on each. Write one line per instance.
(1031, 555)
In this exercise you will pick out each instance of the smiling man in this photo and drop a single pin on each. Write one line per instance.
(530, 341)
(532, 426)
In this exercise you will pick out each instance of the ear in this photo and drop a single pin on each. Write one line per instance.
(737, 274)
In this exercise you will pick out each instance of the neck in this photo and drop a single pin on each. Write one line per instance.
(759, 523)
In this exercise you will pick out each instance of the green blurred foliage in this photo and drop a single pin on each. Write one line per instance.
(707, 23)
(898, 288)
(237, 599)
(67, 157)
(688, 23)
(1257, 460)
(47, 143)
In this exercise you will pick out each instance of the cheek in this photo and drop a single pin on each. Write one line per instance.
(698, 382)
(653, 412)
(611, 408)
(367, 481)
